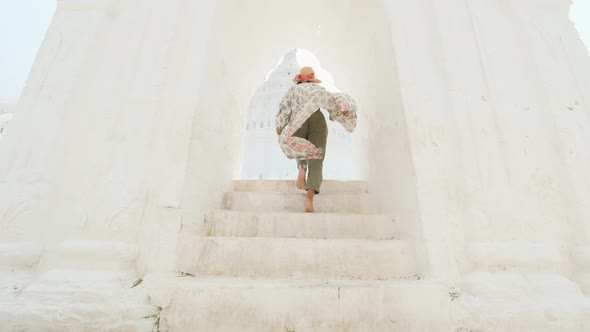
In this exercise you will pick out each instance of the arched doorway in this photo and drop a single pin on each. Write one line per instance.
(262, 158)
(354, 38)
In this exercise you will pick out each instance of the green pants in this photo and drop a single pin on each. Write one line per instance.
(315, 130)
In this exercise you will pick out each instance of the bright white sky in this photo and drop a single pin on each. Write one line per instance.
(23, 24)
(22, 28)
(580, 14)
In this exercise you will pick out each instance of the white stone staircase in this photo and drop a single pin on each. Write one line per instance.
(346, 239)
(257, 265)
(263, 265)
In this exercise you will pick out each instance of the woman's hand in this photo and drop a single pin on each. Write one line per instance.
(279, 131)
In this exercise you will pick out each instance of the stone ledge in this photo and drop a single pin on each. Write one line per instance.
(261, 304)
(310, 258)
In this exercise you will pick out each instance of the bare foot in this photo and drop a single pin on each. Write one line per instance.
(301, 183)
(309, 206)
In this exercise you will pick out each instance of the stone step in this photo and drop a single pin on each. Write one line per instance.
(299, 225)
(288, 186)
(284, 202)
(88, 286)
(244, 304)
(19, 255)
(277, 257)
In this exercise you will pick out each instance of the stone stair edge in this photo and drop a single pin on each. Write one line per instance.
(302, 193)
(290, 213)
(288, 281)
(311, 240)
(293, 181)
(288, 201)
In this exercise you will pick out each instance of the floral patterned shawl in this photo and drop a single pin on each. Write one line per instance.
(298, 104)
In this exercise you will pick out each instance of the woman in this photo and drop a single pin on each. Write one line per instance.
(302, 128)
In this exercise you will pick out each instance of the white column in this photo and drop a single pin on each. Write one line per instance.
(100, 149)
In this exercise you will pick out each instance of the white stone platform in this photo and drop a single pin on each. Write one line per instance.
(288, 304)
(260, 265)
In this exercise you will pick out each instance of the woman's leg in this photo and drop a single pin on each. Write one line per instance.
(318, 135)
(302, 164)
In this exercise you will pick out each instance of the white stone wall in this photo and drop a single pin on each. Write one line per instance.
(411, 91)
(155, 109)
(488, 122)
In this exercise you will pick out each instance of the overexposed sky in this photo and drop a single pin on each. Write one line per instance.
(22, 28)
(23, 24)
(580, 14)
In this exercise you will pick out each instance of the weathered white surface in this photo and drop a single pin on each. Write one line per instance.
(473, 136)
(254, 201)
(110, 256)
(512, 301)
(514, 255)
(77, 300)
(319, 258)
(19, 254)
(229, 304)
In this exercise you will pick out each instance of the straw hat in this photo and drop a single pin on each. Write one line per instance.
(306, 74)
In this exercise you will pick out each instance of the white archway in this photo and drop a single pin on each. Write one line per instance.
(354, 38)
(262, 157)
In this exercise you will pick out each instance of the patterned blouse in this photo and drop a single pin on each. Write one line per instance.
(298, 104)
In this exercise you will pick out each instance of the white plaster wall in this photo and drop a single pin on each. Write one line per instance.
(35, 160)
(100, 149)
(344, 37)
(491, 132)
